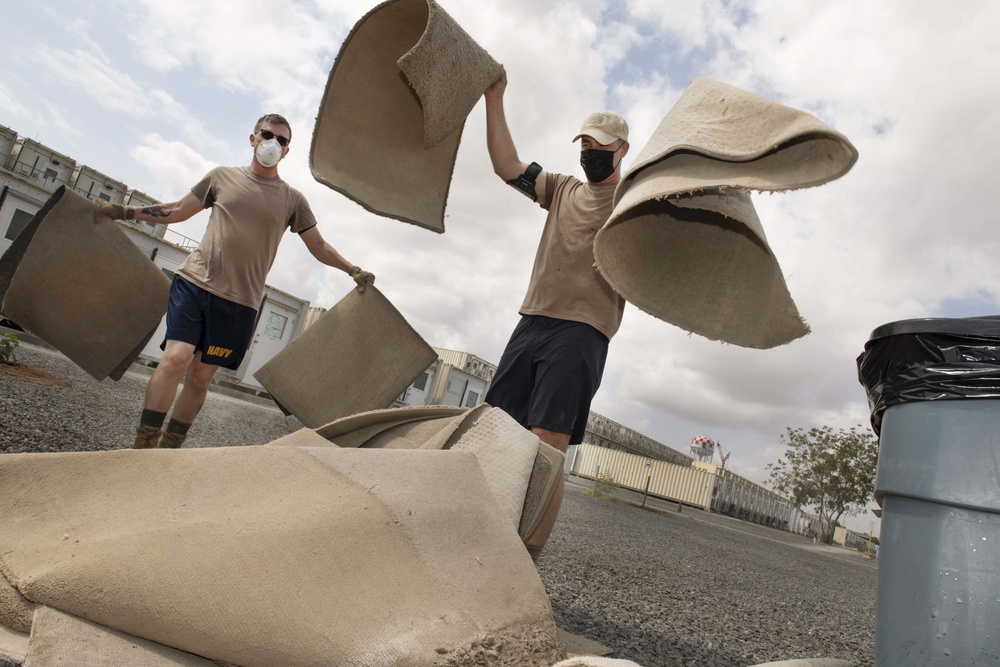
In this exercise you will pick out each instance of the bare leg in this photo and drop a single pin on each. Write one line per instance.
(162, 386)
(540, 535)
(196, 381)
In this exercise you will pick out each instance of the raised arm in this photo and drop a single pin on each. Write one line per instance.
(503, 154)
(500, 144)
(161, 214)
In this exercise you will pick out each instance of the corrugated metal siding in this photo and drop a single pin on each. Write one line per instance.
(451, 357)
(666, 480)
(738, 496)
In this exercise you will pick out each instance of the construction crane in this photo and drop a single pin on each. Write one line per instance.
(722, 457)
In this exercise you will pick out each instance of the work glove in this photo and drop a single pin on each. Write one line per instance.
(113, 211)
(362, 278)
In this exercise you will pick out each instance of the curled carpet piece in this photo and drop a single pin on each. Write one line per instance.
(261, 556)
(520, 469)
(359, 356)
(391, 119)
(684, 242)
(73, 278)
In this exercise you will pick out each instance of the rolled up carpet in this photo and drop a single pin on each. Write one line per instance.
(73, 278)
(392, 115)
(684, 242)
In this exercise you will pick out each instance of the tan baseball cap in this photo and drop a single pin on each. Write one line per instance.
(604, 126)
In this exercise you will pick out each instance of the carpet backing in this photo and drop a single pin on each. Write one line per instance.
(73, 278)
(358, 356)
(391, 118)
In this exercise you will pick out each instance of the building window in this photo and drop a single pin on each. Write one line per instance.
(275, 327)
(50, 175)
(104, 195)
(18, 222)
(471, 399)
(421, 382)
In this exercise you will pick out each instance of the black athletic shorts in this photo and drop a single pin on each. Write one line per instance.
(549, 373)
(218, 328)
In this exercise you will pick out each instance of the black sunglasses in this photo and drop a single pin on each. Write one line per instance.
(268, 134)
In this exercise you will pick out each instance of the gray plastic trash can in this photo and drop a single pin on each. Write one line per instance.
(934, 390)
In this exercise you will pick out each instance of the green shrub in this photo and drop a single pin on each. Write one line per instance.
(604, 486)
(7, 346)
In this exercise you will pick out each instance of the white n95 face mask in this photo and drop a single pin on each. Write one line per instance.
(268, 152)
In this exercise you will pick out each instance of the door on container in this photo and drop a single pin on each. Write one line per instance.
(274, 329)
(454, 391)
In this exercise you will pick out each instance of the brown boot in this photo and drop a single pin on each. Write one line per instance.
(171, 440)
(146, 437)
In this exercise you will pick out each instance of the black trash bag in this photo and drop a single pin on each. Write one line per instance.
(930, 360)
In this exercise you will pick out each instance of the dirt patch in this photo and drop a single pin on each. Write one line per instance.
(32, 374)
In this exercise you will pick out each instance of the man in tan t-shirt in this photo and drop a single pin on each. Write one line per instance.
(552, 365)
(216, 292)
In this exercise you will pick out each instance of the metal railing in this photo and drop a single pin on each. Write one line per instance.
(601, 430)
(178, 239)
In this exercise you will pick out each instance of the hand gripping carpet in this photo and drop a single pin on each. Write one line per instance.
(73, 278)
(395, 105)
(684, 242)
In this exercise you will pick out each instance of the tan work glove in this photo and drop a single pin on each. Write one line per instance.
(116, 211)
(361, 277)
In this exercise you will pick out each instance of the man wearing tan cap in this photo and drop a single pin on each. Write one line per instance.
(552, 365)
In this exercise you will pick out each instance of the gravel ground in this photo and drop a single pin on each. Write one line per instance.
(661, 588)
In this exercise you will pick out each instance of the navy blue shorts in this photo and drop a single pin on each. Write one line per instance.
(549, 373)
(218, 328)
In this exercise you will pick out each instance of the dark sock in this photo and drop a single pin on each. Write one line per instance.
(152, 418)
(176, 427)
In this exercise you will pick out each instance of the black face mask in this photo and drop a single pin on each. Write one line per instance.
(598, 165)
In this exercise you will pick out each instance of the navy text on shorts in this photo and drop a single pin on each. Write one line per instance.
(218, 328)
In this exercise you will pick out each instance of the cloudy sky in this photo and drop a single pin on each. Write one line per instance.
(154, 93)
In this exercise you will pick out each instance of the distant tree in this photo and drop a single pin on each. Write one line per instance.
(831, 471)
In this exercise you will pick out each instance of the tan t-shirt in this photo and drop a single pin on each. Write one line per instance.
(565, 283)
(249, 216)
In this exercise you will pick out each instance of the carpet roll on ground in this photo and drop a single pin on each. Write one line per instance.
(261, 556)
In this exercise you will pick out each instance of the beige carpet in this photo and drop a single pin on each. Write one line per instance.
(74, 279)
(59, 639)
(359, 356)
(392, 115)
(15, 612)
(521, 470)
(684, 242)
(277, 555)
